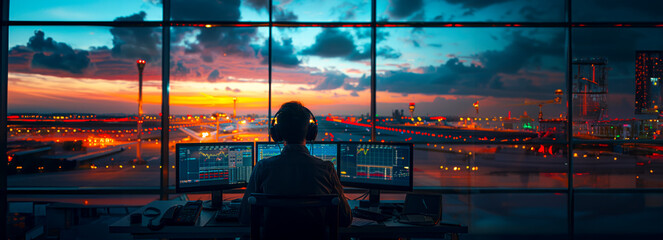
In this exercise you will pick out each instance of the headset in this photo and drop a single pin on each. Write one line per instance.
(311, 130)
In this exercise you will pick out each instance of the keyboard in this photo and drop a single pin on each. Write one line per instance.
(365, 214)
(227, 215)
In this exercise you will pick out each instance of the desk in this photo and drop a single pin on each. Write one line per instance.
(206, 227)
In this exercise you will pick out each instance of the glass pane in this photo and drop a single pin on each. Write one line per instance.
(327, 69)
(617, 10)
(206, 10)
(518, 215)
(322, 11)
(219, 88)
(503, 165)
(470, 84)
(610, 215)
(459, 10)
(616, 83)
(85, 10)
(608, 165)
(73, 107)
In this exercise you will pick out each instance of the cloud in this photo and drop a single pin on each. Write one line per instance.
(499, 73)
(257, 4)
(332, 42)
(476, 4)
(236, 90)
(618, 10)
(399, 9)
(335, 43)
(206, 10)
(136, 42)
(53, 55)
(283, 15)
(333, 80)
(180, 69)
(283, 53)
(213, 76)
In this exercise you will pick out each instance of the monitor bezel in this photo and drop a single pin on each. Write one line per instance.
(378, 186)
(215, 187)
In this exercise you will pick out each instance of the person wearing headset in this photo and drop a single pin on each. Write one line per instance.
(294, 171)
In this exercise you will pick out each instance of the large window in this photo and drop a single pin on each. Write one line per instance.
(515, 107)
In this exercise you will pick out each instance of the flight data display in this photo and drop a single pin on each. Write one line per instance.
(216, 164)
(375, 164)
(324, 151)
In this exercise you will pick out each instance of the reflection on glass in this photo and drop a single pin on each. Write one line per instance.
(468, 84)
(527, 165)
(614, 214)
(616, 89)
(73, 117)
(611, 165)
(458, 10)
(84, 10)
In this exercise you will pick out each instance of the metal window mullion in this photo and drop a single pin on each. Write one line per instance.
(165, 97)
(373, 70)
(4, 12)
(269, 74)
(569, 122)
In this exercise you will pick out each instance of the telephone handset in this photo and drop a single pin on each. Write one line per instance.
(179, 215)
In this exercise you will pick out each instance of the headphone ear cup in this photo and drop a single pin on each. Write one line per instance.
(312, 132)
(274, 132)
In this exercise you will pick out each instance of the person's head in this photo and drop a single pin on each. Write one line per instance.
(292, 123)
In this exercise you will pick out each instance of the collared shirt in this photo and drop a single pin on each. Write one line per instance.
(295, 172)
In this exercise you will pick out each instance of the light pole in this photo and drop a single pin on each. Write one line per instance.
(141, 65)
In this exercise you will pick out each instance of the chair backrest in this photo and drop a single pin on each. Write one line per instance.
(261, 202)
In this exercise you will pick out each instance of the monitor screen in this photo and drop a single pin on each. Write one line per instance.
(213, 166)
(324, 151)
(376, 165)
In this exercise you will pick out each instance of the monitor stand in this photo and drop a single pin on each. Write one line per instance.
(374, 197)
(217, 199)
(373, 200)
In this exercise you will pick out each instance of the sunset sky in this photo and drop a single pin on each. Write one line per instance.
(443, 70)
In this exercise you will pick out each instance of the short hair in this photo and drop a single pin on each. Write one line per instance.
(293, 120)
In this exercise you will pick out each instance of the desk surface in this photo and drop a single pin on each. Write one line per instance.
(206, 227)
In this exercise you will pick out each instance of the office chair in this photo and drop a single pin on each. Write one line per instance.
(285, 206)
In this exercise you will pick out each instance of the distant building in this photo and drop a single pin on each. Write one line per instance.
(589, 89)
(648, 76)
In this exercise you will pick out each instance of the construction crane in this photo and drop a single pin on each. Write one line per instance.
(557, 100)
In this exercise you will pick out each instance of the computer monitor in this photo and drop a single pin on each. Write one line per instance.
(376, 166)
(323, 150)
(213, 167)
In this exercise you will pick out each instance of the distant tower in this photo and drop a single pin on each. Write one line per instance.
(140, 63)
(648, 76)
(411, 110)
(234, 108)
(589, 89)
